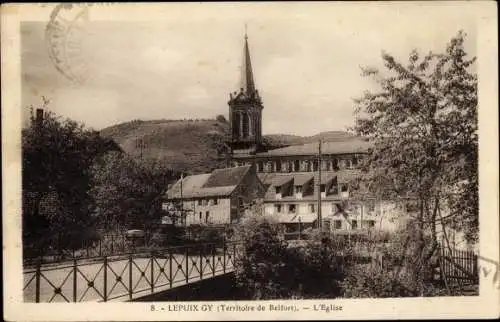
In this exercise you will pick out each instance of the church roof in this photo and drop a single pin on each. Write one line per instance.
(247, 81)
(247, 91)
(333, 147)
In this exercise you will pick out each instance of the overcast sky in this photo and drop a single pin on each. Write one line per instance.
(179, 63)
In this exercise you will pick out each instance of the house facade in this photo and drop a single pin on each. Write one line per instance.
(216, 198)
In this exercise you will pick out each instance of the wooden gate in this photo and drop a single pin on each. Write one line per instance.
(458, 268)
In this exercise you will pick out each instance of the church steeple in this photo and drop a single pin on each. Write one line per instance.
(245, 110)
(247, 81)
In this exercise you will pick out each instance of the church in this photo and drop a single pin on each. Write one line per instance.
(308, 183)
(303, 186)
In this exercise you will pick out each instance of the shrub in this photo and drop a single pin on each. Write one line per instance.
(270, 269)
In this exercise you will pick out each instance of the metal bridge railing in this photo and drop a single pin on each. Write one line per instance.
(128, 276)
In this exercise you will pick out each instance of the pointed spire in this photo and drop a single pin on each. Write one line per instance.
(247, 81)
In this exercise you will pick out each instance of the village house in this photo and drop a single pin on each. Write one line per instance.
(216, 198)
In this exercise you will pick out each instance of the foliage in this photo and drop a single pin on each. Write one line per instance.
(57, 156)
(270, 269)
(127, 193)
(221, 118)
(395, 272)
(423, 125)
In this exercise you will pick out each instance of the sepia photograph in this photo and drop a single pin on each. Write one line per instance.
(215, 161)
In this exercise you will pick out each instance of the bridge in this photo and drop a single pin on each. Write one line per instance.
(127, 277)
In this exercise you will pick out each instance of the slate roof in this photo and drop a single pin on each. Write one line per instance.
(226, 177)
(221, 182)
(272, 180)
(334, 147)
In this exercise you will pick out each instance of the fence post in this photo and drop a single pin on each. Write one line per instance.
(201, 261)
(130, 277)
(74, 280)
(100, 247)
(105, 278)
(213, 259)
(187, 264)
(37, 281)
(170, 267)
(152, 272)
(224, 258)
(112, 244)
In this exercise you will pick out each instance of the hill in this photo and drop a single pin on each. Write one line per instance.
(193, 145)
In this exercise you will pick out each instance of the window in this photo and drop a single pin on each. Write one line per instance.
(324, 165)
(334, 190)
(278, 189)
(200, 216)
(298, 189)
(354, 224)
(216, 201)
(277, 208)
(338, 224)
(343, 187)
(354, 162)
(370, 223)
(292, 208)
(278, 166)
(335, 164)
(206, 216)
(335, 207)
(260, 166)
(205, 202)
(370, 207)
(349, 164)
(312, 208)
(315, 165)
(323, 188)
(296, 165)
(199, 202)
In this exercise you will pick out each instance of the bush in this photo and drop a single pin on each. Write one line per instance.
(270, 269)
(401, 273)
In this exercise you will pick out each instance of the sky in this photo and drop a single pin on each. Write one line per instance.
(175, 61)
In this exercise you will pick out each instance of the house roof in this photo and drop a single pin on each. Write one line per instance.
(220, 182)
(302, 178)
(226, 177)
(357, 145)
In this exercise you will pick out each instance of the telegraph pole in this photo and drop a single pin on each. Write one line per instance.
(319, 186)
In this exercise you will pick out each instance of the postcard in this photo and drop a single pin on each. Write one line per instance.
(250, 161)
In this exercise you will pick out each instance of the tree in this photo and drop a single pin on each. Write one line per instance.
(127, 193)
(57, 155)
(423, 125)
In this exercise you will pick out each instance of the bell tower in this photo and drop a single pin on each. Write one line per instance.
(245, 112)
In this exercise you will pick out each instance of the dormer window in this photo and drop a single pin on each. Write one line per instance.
(292, 208)
(298, 189)
(278, 166)
(335, 164)
(324, 165)
(278, 189)
(315, 165)
(354, 162)
(296, 165)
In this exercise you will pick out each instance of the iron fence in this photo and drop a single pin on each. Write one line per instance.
(128, 276)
